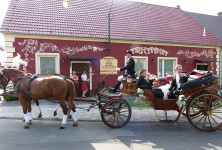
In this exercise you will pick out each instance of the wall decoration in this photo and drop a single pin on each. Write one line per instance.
(196, 54)
(32, 46)
(149, 50)
(190, 54)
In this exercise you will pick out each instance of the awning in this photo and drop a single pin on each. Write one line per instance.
(202, 60)
(76, 58)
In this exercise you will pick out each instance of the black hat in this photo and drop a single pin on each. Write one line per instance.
(129, 52)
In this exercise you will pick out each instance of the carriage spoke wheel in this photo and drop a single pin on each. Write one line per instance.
(116, 113)
(207, 108)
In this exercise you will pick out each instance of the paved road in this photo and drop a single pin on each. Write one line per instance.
(89, 135)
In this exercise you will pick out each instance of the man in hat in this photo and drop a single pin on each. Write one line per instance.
(129, 70)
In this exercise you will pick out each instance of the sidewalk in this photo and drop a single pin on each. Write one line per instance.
(13, 110)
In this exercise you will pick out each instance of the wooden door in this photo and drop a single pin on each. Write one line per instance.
(79, 67)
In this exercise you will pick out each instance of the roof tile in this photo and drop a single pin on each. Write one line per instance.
(88, 18)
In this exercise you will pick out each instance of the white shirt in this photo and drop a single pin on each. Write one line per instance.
(84, 77)
(178, 80)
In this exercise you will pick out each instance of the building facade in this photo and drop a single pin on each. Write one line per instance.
(59, 40)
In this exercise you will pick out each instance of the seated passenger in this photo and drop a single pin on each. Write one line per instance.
(143, 83)
(173, 91)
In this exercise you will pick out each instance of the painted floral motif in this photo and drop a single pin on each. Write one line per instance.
(190, 54)
(34, 46)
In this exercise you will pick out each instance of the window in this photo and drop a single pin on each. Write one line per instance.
(166, 66)
(47, 63)
(202, 66)
(140, 63)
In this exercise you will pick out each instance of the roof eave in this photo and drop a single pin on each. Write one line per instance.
(89, 37)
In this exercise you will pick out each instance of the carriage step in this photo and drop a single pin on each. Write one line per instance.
(86, 100)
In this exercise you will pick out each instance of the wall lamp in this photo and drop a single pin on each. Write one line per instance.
(63, 60)
(153, 60)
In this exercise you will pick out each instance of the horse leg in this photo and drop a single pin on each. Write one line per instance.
(29, 108)
(64, 118)
(56, 109)
(40, 110)
(74, 116)
(23, 102)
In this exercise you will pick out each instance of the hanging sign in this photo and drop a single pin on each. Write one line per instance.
(108, 65)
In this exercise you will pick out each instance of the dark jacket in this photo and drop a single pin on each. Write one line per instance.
(130, 67)
(174, 92)
(173, 85)
(183, 80)
(144, 84)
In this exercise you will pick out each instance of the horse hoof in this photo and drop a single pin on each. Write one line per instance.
(62, 126)
(75, 124)
(40, 115)
(54, 113)
(30, 122)
(26, 126)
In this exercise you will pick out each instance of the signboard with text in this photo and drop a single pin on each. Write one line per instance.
(108, 65)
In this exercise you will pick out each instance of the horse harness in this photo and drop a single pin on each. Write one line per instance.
(18, 83)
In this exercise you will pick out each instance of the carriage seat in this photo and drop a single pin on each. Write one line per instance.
(199, 82)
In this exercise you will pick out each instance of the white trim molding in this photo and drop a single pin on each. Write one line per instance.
(165, 58)
(57, 61)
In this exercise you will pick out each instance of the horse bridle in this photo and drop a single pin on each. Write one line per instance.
(1, 80)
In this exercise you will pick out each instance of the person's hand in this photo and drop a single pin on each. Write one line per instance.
(148, 75)
(168, 92)
(117, 69)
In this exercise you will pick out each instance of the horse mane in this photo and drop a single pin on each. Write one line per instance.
(13, 69)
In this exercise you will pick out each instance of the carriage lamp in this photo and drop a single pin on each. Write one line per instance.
(153, 60)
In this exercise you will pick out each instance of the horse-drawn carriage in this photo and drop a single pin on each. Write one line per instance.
(198, 101)
(203, 105)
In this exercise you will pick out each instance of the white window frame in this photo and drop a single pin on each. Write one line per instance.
(138, 57)
(90, 70)
(37, 61)
(165, 58)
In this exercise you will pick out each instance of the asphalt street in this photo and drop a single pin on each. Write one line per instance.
(94, 135)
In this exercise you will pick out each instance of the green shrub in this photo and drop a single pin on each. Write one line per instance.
(10, 98)
(138, 103)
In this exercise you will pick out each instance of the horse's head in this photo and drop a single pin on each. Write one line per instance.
(3, 79)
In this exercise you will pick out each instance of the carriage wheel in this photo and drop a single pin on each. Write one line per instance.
(116, 113)
(207, 108)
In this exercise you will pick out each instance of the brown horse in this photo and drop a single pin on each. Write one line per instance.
(50, 87)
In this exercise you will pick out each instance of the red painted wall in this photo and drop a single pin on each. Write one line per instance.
(28, 47)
